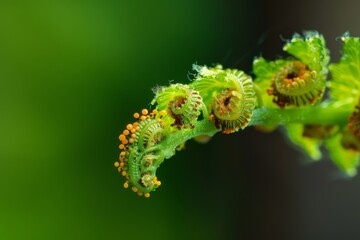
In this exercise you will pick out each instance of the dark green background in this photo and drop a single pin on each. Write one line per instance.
(73, 72)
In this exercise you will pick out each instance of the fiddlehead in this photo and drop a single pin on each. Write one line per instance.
(182, 103)
(286, 92)
(295, 84)
(229, 96)
(297, 81)
(140, 157)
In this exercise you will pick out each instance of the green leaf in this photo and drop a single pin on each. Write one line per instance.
(310, 50)
(311, 146)
(265, 70)
(210, 81)
(345, 159)
(345, 85)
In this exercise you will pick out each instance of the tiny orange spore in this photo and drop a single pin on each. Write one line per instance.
(163, 113)
(144, 111)
(136, 115)
(122, 137)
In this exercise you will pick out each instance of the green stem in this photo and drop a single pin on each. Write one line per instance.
(319, 114)
(310, 115)
(203, 127)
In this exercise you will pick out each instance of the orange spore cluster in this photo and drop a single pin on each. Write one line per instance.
(294, 79)
(156, 181)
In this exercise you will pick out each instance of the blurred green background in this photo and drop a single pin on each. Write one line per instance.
(73, 72)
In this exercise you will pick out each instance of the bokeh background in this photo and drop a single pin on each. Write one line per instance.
(73, 72)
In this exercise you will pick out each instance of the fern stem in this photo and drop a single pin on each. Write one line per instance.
(320, 114)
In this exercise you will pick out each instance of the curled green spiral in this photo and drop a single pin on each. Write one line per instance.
(229, 96)
(140, 157)
(296, 81)
(295, 84)
(182, 103)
